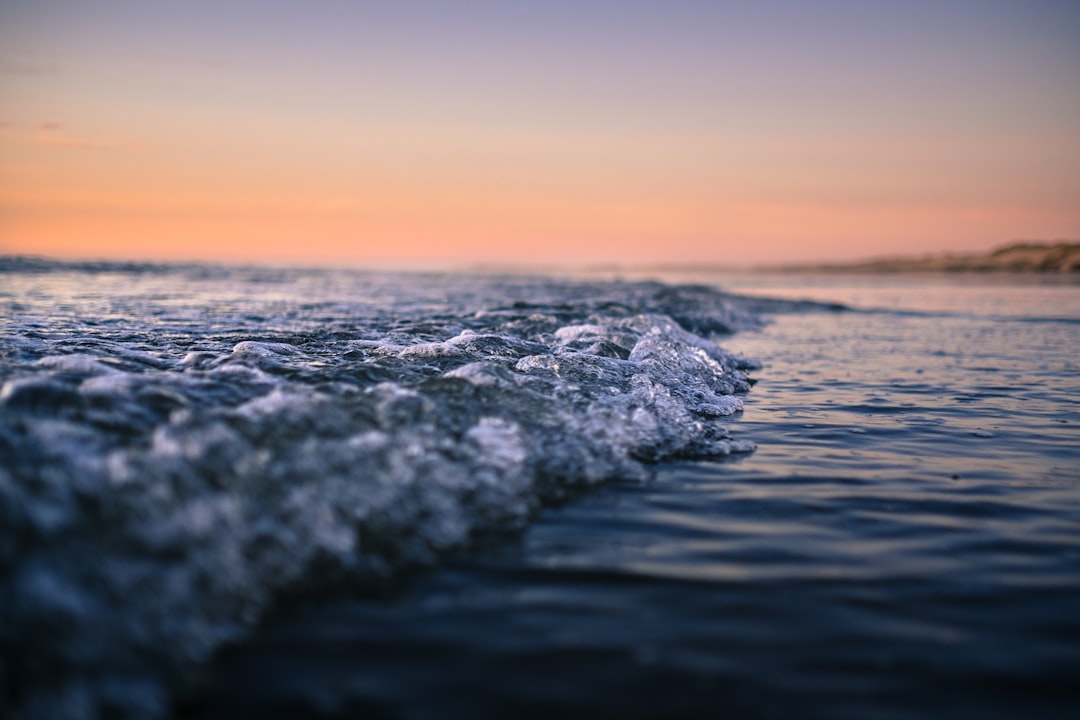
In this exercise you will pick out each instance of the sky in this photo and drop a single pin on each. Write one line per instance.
(555, 133)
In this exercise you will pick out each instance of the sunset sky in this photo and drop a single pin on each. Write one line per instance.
(592, 131)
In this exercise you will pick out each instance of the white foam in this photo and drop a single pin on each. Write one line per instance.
(178, 499)
(77, 363)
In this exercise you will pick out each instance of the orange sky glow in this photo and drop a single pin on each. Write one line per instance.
(585, 133)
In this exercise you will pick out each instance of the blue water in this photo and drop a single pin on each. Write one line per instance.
(288, 493)
(904, 543)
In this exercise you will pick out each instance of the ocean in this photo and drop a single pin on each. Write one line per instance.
(244, 491)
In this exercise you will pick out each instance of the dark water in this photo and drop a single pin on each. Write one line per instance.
(904, 543)
(236, 492)
(184, 448)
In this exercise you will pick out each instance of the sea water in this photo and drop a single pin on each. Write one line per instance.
(241, 491)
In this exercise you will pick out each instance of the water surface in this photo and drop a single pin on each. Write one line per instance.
(904, 543)
(284, 493)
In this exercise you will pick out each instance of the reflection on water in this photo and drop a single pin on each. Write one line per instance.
(945, 394)
(1036, 295)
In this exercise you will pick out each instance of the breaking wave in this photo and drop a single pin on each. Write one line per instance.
(182, 446)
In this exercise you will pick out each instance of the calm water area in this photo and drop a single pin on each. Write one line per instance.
(903, 543)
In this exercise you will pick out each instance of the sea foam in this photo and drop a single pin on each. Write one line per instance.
(168, 476)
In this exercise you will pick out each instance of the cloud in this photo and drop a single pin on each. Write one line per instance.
(49, 133)
(10, 66)
(52, 134)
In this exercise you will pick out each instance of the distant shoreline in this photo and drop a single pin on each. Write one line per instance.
(1020, 257)
(1060, 257)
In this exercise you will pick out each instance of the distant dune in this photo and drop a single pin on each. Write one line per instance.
(1062, 256)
